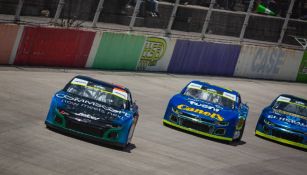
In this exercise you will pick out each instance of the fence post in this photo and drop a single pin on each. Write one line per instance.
(248, 13)
(97, 14)
(172, 18)
(285, 25)
(18, 10)
(135, 13)
(207, 20)
(58, 10)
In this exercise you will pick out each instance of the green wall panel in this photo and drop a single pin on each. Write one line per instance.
(302, 72)
(118, 51)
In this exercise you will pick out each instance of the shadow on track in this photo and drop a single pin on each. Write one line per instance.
(126, 149)
(232, 143)
(284, 144)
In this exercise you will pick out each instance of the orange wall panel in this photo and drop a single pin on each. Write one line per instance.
(8, 35)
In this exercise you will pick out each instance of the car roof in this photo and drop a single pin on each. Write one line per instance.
(102, 82)
(218, 88)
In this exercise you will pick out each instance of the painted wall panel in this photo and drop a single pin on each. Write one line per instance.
(8, 35)
(268, 63)
(54, 47)
(16, 44)
(94, 49)
(119, 51)
(199, 57)
(302, 72)
(156, 54)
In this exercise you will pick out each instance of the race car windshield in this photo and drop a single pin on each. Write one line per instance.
(291, 107)
(212, 97)
(112, 96)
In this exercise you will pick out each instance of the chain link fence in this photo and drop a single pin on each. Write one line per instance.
(278, 23)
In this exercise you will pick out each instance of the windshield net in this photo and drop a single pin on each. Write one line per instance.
(293, 106)
(112, 96)
(211, 95)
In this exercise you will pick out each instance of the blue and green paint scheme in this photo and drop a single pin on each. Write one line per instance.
(283, 126)
(92, 119)
(206, 118)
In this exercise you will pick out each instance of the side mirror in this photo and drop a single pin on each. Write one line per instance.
(243, 105)
(133, 105)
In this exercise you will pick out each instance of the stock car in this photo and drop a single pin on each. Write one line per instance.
(208, 110)
(94, 109)
(285, 121)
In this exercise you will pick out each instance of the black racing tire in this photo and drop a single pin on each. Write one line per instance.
(132, 128)
(242, 131)
(241, 134)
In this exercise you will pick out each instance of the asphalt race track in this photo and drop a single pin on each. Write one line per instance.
(27, 147)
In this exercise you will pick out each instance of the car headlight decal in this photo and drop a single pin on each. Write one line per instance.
(222, 123)
(63, 112)
(266, 121)
(177, 111)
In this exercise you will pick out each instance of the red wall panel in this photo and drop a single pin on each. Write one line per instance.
(54, 47)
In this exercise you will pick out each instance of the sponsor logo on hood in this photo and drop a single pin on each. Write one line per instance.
(205, 106)
(277, 111)
(87, 116)
(200, 111)
(288, 119)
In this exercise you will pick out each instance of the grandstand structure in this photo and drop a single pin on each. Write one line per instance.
(198, 20)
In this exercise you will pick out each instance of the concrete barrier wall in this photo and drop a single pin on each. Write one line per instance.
(268, 63)
(54, 47)
(118, 51)
(8, 34)
(42, 46)
(199, 57)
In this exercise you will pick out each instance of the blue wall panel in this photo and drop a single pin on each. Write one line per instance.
(199, 57)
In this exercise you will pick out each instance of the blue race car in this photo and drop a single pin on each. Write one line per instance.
(285, 121)
(94, 109)
(208, 110)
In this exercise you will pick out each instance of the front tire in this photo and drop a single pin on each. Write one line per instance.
(131, 130)
(241, 134)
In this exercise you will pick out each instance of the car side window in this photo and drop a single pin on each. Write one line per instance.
(239, 100)
(130, 100)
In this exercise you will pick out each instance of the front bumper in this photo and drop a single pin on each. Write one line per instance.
(281, 135)
(83, 135)
(189, 129)
(103, 132)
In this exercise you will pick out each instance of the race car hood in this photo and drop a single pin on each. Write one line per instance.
(285, 119)
(202, 108)
(86, 108)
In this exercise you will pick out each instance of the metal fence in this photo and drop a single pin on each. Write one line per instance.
(174, 19)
